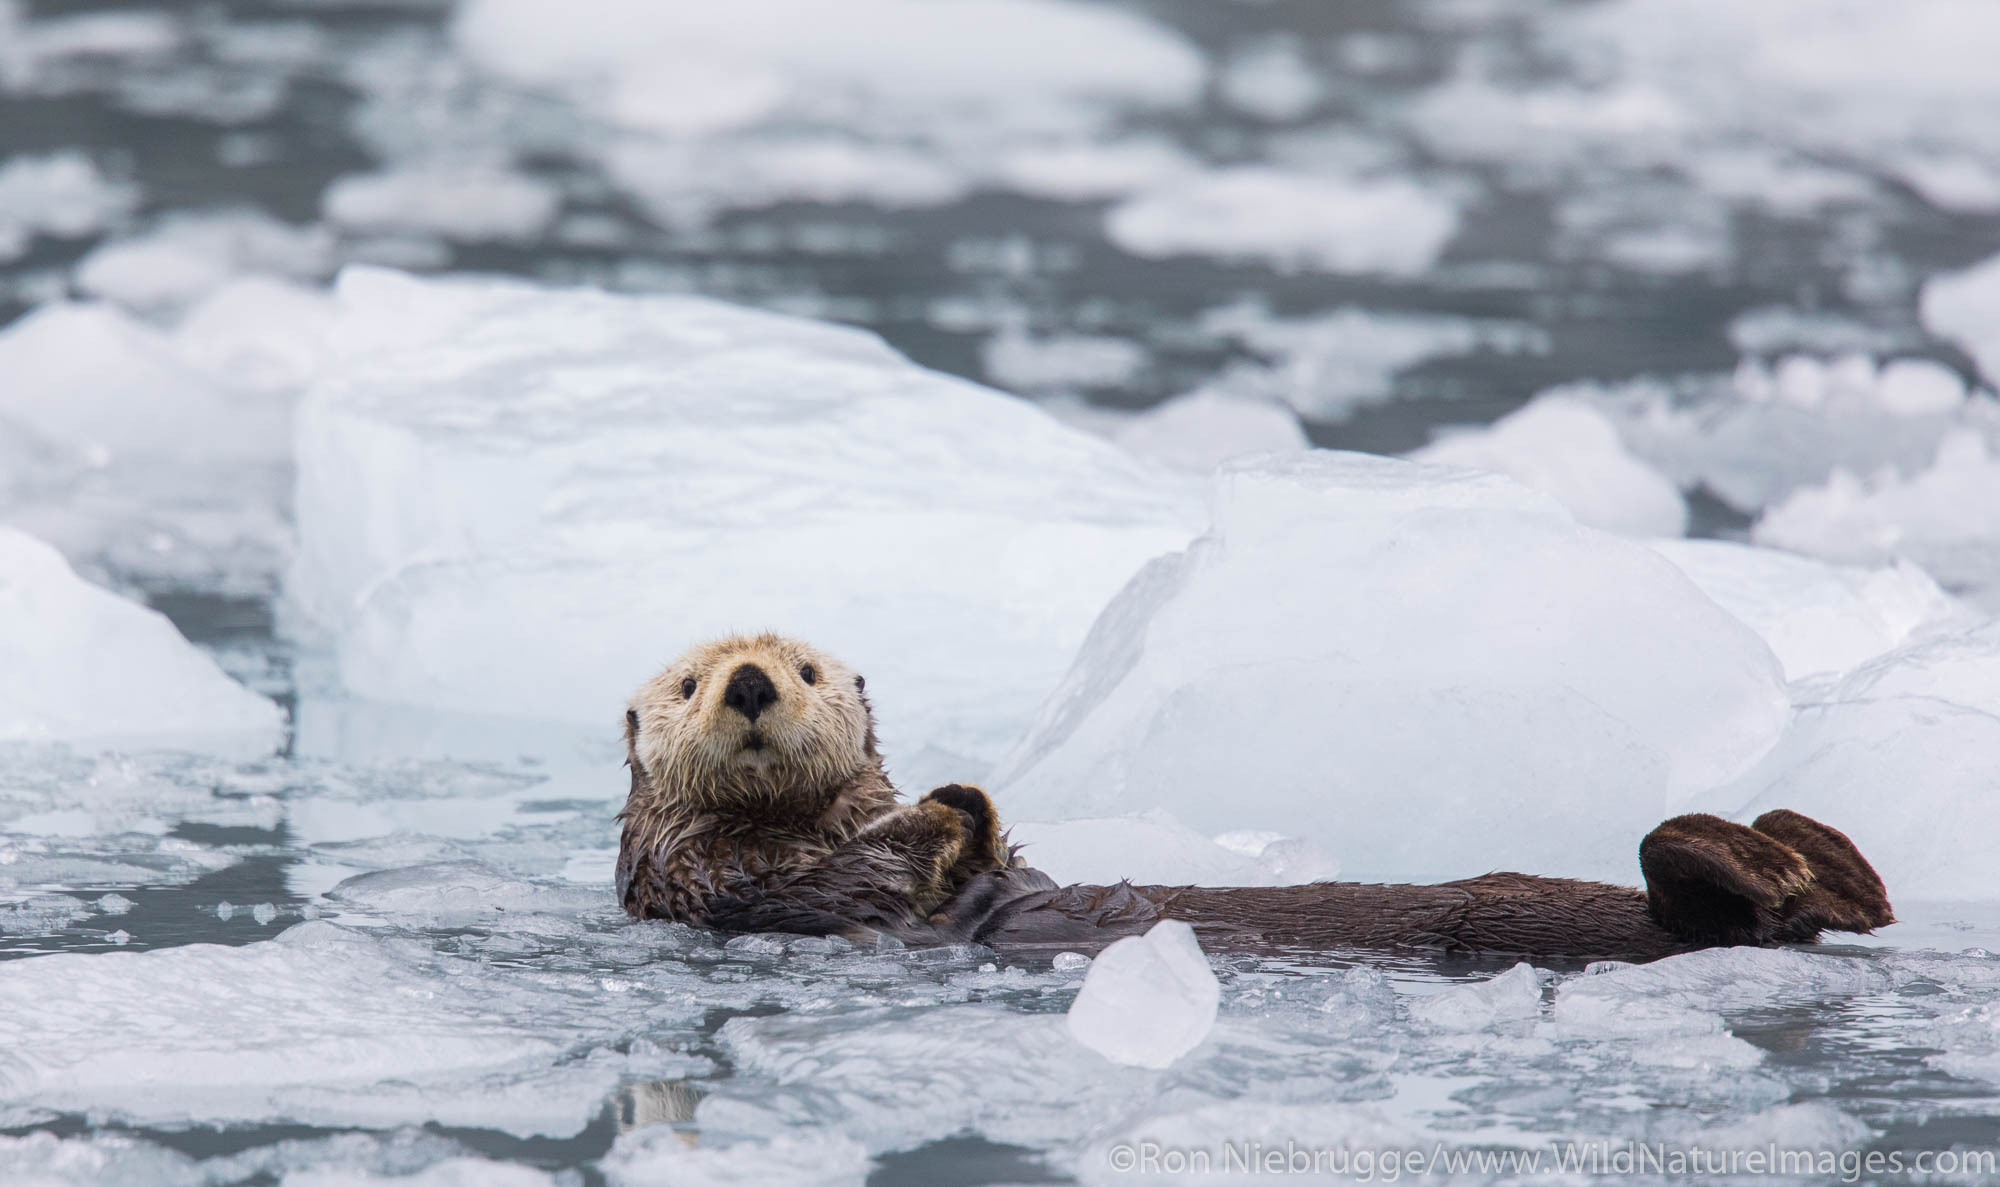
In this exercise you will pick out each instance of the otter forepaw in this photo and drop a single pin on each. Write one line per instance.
(985, 846)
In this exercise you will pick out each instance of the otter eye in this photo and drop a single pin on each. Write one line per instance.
(808, 674)
(687, 688)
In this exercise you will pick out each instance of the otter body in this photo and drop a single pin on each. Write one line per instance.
(759, 803)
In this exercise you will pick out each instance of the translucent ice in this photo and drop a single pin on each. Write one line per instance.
(1147, 1000)
(1571, 451)
(1513, 996)
(1428, 671)
(1818, 618)
(601, 480)
(81, 664)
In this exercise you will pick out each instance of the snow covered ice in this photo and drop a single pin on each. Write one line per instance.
(1147, 1000)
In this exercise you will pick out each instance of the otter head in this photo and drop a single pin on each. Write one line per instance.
(751, 719)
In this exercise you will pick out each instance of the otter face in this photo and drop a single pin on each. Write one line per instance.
(752, 716)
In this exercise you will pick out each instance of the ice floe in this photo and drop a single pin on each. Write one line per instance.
(62, 194)
(1571, 451)
(79, 663)
(1300, 666)
(455, 203)
(602, 480)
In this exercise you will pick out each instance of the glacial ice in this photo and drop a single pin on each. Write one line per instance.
(78, 663)
(1819, 619)
(1152, 848)
(1360, 647)
(602, 480)
(1571, 451)
(1945, 518)
(1293, 221)
(1923, 719)
(1147, 1000)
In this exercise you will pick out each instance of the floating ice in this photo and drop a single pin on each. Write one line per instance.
(601, 480)
(1818, 618)
(1328, 365)
(1152, 848)
(658, 1154)
(1965, 307)
(455, 894)
(1391, 226)
(1147, 1000)
(1513, 996)
(1571, 451)
(1924, 720)
(62, 194)
(1272, 79)
(78, 663)
(186, 256)
(1429, 671)
(1061, 363)
(1946, 518)
(475, 204)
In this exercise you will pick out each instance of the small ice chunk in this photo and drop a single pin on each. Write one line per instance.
(1919, 387)
(62, 194)
(472, 205)
(81, 664)
(1327, 223)
(1572, 451)
(1965, 307)
(115, 904)
(1062, 362)
(1513, 996)
(1272, 80)
(225, 910)
(1147, 1000)
(1069, 962)
(264, 913)
(121, 937)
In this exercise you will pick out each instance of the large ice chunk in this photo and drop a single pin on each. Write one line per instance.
(1147, 1000)
(515, 500)
(1572, 451)
(80, 663)
(1429, 671)
(1818, 618)
(1900, 755)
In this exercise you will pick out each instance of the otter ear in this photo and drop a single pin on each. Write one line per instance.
(860, 682)
(632, 741)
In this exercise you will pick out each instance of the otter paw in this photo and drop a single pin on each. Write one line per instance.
(985, 847)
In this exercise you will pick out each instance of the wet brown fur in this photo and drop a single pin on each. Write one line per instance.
(802, 833)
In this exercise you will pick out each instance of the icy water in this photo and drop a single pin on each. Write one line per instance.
(453, 874)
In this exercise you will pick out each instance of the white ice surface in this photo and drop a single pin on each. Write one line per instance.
(603, 480)
(1147, 1000)
(1572, 452)
(1818, 618)
(1361, 648)
(79, 663)
(1196, 432)
(1292, 221)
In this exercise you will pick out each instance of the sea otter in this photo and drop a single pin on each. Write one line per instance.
(759, 803)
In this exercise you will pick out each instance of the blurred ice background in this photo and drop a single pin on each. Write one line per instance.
(1260, 439)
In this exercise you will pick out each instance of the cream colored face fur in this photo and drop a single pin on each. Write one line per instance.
(695, 741)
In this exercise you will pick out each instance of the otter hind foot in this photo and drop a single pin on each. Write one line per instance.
(985, 845)
(1846, 893)
(1784, 879)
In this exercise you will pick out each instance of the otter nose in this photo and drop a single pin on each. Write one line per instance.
(750, 691)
